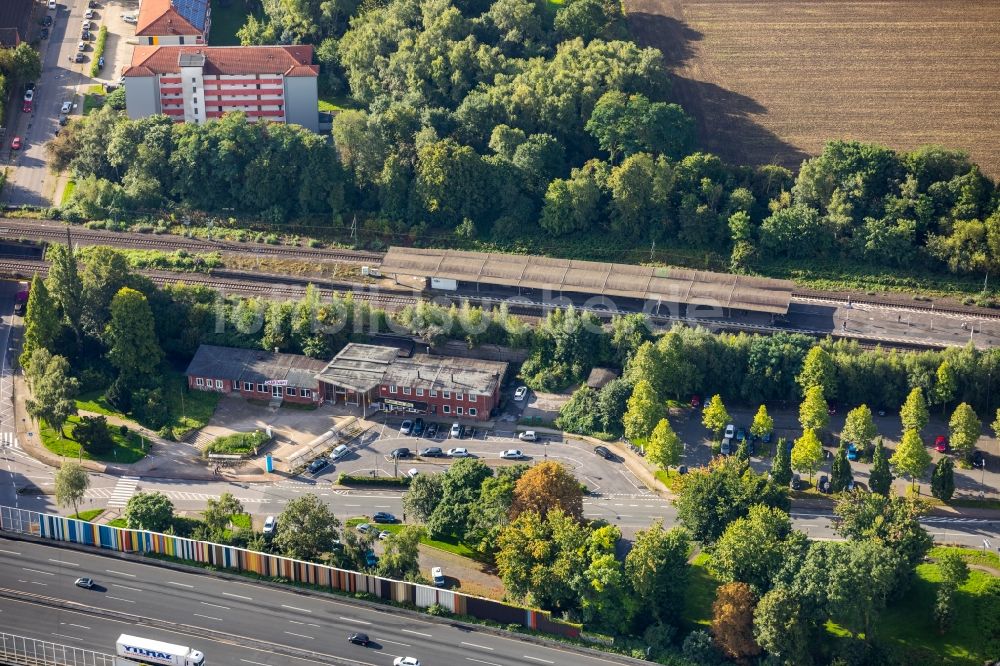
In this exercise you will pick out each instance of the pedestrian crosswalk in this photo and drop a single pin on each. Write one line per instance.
(123, 491)
(106, 493)
(9, 440)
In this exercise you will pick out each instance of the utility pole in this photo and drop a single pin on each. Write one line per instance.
(652, 249)
(354, 230)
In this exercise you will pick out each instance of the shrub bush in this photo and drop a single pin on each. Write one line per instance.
(93, 435)
(102, 37)
(364, 480)
(241, 443)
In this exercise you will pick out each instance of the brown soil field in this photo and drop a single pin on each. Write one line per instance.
(770, 81)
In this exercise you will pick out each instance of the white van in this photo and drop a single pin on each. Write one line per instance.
(437, 575)
(339, 452)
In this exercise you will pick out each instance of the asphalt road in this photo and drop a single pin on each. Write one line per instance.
(31, 183)
(202, 604)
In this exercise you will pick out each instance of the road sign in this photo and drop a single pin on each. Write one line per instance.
(276, 382)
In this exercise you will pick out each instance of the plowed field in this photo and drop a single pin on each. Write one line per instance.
(771, 81)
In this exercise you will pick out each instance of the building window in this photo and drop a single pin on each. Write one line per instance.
(218, 383)
(406, 390)
(392, 388)
(434, 394)
(306, 393)
(199, 381)
(446, 409)
(260, 388)
(458, 396)
(291, 390)
(247, 386)
(458, 410)
(196, 110)
(420, 393)
(447, 395)
(473, 411)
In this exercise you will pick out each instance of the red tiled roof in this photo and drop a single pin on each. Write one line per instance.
(229, 60)
(159, 17)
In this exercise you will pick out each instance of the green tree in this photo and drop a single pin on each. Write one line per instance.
(93, 435)
(571, 205)
(645, 411)
(781, 629)
(307, 529)
(423, 495)
(105, 272)
(41, 321)
(714, 416)
(712, 498)
(218, 513)
(911, 456)
(807, 454)
(53, 393)
(914, 413)
(657, 569)
(664, 447)
(753, 549)
(965, 429)
(861, 581)
(892, 521)
(763, 424)
(818, 370)
(26, 63)
(71, 482)
(945, 385)
(492, 510)
(859, 428)
(149, 511)
(880, 477)
(814, 413)
(460, 486)
(781, 466)
(64, 284)
(840, 471)
(943, 479)
(954, 574)
(580, 414)
(402, 549)
(131, 336)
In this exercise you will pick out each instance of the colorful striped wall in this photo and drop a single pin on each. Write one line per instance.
(58, 528)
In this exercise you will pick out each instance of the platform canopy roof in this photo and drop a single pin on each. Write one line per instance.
(648, 283)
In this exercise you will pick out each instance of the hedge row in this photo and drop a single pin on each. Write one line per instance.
(365, 480)
(102, 36)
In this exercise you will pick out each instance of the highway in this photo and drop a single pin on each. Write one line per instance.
(204, 607)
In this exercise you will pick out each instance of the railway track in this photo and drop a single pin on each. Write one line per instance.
(55, 233)
(895, 304)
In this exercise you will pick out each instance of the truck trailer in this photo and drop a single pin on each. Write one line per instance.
(145, 651)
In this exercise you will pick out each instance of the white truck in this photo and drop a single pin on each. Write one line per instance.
(135, 650)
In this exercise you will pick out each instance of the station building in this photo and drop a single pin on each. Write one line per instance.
(256, 374)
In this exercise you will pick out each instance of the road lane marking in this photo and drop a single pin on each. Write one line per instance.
(236, 596)
(351, 619)
(44, 573)
(79, 626)
(386, 640)
(128, 601)
(300, 635)
(418, 633)
(208, 617)
(75, 638)
(302, 610)
(480, 661)
(544, 661)
(481, 647)
(254, 662)
(69, 564)
(35, 582)
(126, 587)
(9, 552)
(216, 606)
(119, 573)
(170, 582)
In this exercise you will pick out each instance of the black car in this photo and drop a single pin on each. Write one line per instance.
(604, 452)
(467, 431)
(432, 452)
(401, 452)
(418, 427)
(45, 33)
(432, 430)
(100, 62)
(978, 459)
(824, 484)
(383, 517)
(318, 464)
(92, 4)
(47, 20)
(360, 639)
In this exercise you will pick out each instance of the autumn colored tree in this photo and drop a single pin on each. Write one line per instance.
(546, 487)
(732, 621)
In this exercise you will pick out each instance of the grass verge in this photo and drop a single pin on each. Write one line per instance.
(127, 448)
(68, 192)
(700, 593)
(118, 522)
(332, 104)
(448, 544)
(240, 443)
(87, 515)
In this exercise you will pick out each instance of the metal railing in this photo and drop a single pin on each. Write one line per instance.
(33, 652)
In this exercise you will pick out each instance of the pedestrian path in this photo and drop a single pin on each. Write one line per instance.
(123, 491)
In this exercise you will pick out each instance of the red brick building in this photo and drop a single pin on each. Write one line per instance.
(256, 374)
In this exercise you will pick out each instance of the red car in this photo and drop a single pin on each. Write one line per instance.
(27, 107)
(941, 444)
(696, 401)
(16, 143)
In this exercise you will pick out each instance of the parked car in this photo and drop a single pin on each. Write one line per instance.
(78, 57)
(81, 46)
(47, 20)
(824, 484)
(467, 431)
(85, 583)
(521, 393)
(456, 430)
(270, 523)
(26, 107)
(741, 434)
(100, 63)
(727, 448)
(796, 482)
(604, 452)
(418, 427)
(45, 33)
(383, 535)
(528, 436)
(371, 559)
(89, 14)
(359, 639)
(92, 4)
(432, 431)
(29, 94)
(696, 401)
(130, 18)
(15, 143)
(86, 35)
(52, 4)
(318, 464)
(978, 459)
(401, 452)
(511, 454)
(437, 575)
(413, 472)
(730, 431)
(66, 107)
(431, 452)
(852, 452)
(363, 528)
(383, 517)
(458, 453)
(339, 452)
(86, 24)
(941, 444)
(406, 428)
